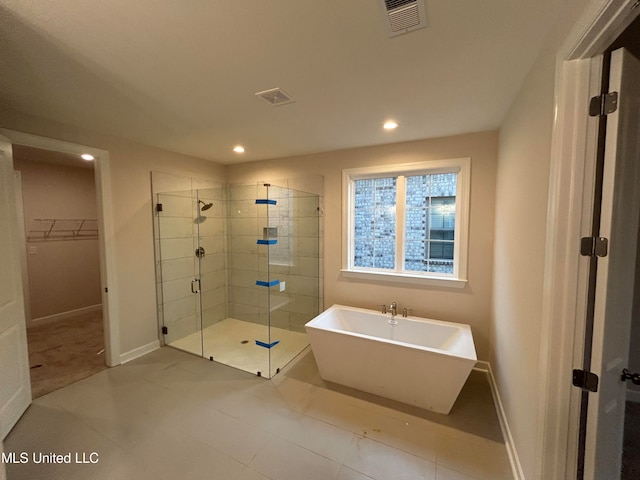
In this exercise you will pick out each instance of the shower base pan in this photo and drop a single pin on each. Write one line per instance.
(233, 342)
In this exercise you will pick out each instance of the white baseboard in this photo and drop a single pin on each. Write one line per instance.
(518, 474)
(482, 366)
(63, 315)
(633, 395)
(140, 351)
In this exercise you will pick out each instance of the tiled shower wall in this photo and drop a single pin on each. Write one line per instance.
(294, 260)
(247, 301)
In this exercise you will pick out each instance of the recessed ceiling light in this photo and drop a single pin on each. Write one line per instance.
(238, 149)
(390, 125)
(87, 156)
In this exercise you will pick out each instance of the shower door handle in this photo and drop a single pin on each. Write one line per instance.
(195, 286)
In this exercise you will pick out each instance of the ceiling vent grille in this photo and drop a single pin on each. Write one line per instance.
(275, 96)
(404, 16)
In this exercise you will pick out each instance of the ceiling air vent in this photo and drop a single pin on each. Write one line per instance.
(404, 16)
(275, 96)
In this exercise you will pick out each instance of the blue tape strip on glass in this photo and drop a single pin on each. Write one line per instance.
(267, 242)
(265, 201)
(272, 283)
(267, 345)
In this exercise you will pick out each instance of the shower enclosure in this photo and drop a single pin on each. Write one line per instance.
(238, 273)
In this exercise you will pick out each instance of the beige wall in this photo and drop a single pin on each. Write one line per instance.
(131, 165)
(521, 201)
(468, 305)
(521, 222)
(64, 275)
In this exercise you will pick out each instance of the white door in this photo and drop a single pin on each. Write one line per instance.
(616, 272)
(15, 387)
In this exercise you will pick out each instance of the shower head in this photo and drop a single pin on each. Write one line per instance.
(205, 206)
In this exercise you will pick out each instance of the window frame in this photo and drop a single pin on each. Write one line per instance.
(460, 166)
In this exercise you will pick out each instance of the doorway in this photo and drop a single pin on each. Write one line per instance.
(631, 438)
(578, 78)
(608, 439)
(61, 266)
(16, 391)
(102, 182)
(612, 271)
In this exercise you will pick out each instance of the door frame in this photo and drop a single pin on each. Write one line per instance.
(102, 173)
(573, 155)
(26, 291)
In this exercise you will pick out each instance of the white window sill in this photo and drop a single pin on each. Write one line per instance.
(405, 278)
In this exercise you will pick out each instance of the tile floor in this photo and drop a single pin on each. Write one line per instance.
(224, 342)
(171, 415)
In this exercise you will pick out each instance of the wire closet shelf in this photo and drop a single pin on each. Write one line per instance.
(45, 229)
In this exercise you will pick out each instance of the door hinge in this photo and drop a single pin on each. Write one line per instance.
(585, 380)
(158, 207)
(603, 104)
(165, 330)
(594, 246)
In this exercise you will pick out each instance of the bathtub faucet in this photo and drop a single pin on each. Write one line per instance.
(393, 308)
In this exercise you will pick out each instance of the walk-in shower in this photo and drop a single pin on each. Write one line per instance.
(238, 285)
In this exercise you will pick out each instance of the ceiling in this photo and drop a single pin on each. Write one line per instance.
(182, 75)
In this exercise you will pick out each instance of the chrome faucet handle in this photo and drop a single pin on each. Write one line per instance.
(383, 308)
(405, 312)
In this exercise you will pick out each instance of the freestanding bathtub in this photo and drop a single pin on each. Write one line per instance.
(417, 361)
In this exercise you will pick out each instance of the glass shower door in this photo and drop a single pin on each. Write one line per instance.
(178, 270)
(210, 232)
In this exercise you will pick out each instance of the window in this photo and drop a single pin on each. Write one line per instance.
(407, 222)
(375, 223)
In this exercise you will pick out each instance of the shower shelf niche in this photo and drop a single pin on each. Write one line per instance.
(47, 229)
